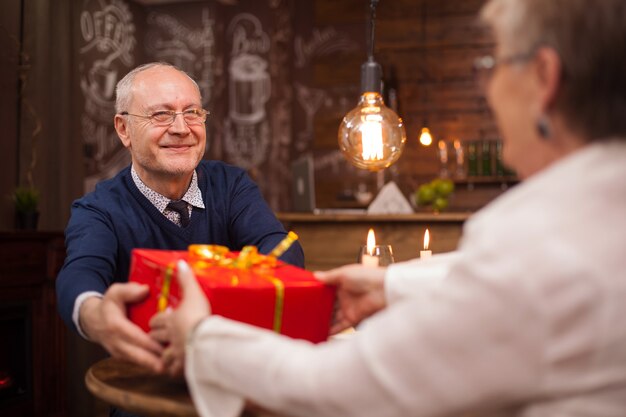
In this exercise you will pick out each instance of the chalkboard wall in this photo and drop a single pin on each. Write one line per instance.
(278, 75)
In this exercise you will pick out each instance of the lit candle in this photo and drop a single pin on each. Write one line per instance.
(368, 258)
(426, 253)
(458, 149)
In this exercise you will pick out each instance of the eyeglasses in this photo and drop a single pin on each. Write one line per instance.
(485, 65)
(166, 117)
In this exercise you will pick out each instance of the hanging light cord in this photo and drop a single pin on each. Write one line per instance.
(424, 61)
(371, 72)
(370, 53)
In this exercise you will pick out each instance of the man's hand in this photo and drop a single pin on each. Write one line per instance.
(173, 326)
(360, 291)
(104, 321)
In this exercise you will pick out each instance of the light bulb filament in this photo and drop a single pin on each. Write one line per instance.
(372, 138)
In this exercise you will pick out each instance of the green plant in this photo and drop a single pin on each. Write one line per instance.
(25, 199)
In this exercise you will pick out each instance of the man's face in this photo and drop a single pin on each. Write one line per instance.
(162, 153)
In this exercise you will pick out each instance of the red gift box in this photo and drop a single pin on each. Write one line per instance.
(260, 291)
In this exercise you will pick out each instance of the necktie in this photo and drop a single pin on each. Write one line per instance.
(180, 207)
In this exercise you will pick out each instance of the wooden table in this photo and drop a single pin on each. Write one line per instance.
(137, 390)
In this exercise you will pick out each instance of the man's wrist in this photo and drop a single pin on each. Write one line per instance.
(83, 304)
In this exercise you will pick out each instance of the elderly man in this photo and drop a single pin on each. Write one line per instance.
(167, 199)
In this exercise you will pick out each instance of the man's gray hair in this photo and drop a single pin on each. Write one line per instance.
(124, 88)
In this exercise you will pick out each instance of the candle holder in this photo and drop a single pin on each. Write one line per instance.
(380, 255)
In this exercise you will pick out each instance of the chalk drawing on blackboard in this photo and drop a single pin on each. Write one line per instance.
(322, 42)
(246, 144)
(333, 159)
(190, 49)
(247, 36)
(246, 131)
(174, 51)
(108, 35)
(249, 89)
(311, 99)
(110, 30)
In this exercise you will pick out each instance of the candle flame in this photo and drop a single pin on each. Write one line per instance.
(426, 239)
(371, 242)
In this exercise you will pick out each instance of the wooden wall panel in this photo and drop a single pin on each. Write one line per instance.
(330, 12)
(10, 25)
(330, 72)
(348, 232)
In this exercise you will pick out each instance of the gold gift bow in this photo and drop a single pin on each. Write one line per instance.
(203, 256)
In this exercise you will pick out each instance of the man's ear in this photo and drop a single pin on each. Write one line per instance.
(548, 70)
(122, 129)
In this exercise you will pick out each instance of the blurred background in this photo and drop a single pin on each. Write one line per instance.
(277, 76)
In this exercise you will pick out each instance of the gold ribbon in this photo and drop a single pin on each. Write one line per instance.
(280, 302)
(207, 256)
(284, 245)
(165, 288)
(249, 259)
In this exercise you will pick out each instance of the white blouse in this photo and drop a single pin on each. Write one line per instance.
(528, 321)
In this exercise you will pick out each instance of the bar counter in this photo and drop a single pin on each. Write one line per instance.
(333, 239)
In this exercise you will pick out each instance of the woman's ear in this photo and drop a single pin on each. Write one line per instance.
(122, 129)
(548, 69)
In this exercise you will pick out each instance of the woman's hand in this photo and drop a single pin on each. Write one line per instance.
(360, 292)
(173, 326)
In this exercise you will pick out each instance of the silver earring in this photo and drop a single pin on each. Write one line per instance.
(543, 127)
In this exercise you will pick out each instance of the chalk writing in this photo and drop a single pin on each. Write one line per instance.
(108, 35)
(247, 35)
(310, 99)
(192, 50)
(322, 42)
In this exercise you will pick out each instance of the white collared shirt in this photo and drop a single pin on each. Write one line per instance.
(193, 197)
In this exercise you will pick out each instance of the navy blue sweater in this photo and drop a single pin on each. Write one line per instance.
(106, 224)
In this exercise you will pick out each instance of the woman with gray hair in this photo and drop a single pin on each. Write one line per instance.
(526, 318)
